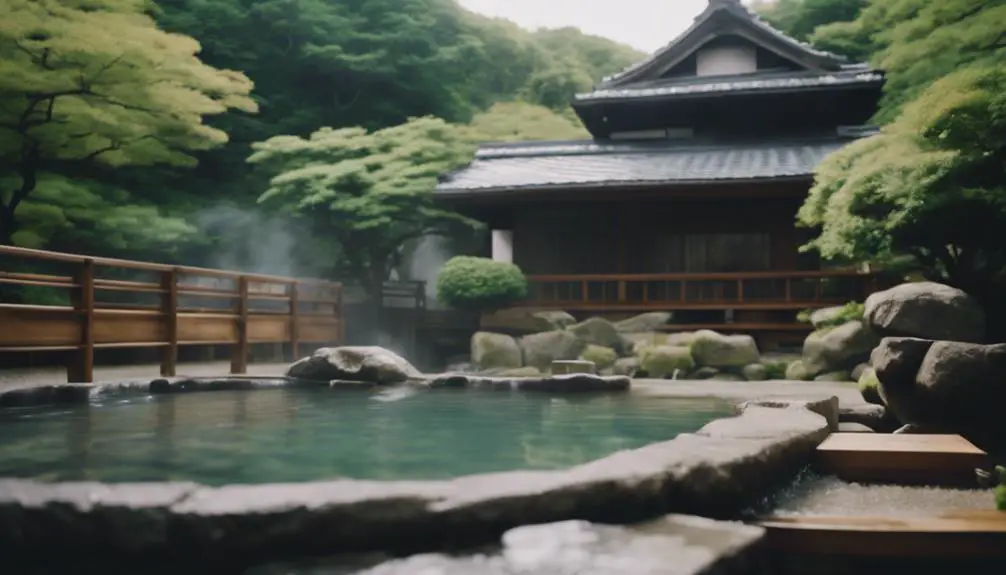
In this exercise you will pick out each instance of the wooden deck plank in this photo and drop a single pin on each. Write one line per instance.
(912, 459)
(971, 534)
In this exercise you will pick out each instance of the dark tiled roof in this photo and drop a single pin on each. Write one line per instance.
(851, 75)
(588, 163)
(744, 13)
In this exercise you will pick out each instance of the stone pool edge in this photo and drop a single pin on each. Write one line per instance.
(713, 472)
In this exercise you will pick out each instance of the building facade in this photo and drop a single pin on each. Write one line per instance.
(685, 197)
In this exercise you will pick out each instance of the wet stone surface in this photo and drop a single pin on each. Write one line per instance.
(672, 545)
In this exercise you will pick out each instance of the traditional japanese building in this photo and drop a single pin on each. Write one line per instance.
(685, 199)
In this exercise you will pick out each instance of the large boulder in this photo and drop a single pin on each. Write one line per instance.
(646, 322)
(552, 320)
(926, 310)
(958, 387)
(838, 348)
(896, 361)
(541, 349)
(869, 386)
(365, 363)
(598, 331)
(602, 357)
(635, 343)
(663, 361)
(711, 349)
(797, 371)
(495, 351)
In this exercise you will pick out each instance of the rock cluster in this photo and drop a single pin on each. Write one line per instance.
(633, 347)
(931, 369)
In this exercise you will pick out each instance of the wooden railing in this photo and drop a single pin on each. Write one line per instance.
(781, 290)
(111, 303)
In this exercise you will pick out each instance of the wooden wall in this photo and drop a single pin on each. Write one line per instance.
(659, 236)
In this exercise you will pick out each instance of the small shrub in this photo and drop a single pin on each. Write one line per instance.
(480, 284)
(852, 311)
(775, 369)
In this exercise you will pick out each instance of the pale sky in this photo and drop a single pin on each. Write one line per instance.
(643, 24)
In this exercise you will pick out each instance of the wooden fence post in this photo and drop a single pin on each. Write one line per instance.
(239, 353)
(295, 321)
(169, 309)
(81, 368)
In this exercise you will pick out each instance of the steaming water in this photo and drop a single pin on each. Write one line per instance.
(283, 435)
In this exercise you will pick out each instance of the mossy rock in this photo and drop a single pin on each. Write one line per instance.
(603, 357)
(629, 366)
(495, 351)
(680, 339)
(724, 376)
(635, 343)
(526, 371)
(663, 361)
(541, 349)
(838, 375)
(869, 386)
(1001, 498)
(552, 320)
(646, 322)
(717, 350)
(704, 373)
(755, 372)
(797, 371)
(598, 331)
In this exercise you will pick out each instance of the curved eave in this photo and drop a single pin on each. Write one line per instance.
(629, 185)
(658, 95)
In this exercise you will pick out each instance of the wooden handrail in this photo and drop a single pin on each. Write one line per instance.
(708, 276)
(42, 255)
(89, 323)
(763, 290)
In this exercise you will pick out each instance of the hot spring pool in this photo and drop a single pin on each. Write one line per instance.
(293, 434)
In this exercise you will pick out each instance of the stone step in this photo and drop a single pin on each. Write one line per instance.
(962, 534)
(901, 458)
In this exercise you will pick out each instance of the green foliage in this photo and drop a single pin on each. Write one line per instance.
(931, 186)
(775, 369)
(97, 81)
(520, 121)
(81, 216)
(480, 284)
(851, 311)
(369, 193)
(800, 18)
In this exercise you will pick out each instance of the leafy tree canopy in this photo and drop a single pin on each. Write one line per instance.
(932, 185)
(95, 80)
(370, 192)
(800, 18)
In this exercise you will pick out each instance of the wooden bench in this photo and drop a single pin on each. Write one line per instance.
(902, 458)
(971, 534)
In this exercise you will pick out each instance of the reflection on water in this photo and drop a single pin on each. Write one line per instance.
(308, 434)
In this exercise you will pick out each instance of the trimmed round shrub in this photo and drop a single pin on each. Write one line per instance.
(480, 284)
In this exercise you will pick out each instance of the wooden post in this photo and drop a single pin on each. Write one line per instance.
(81, 369)
(295, 321)
(239, 353)
(740, 291)
(169, 309)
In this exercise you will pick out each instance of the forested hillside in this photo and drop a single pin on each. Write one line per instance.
(127, 125)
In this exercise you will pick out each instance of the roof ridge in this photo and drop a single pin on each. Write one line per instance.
(713, 7)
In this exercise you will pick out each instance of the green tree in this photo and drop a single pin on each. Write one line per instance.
(932, 186)
(370, 192)
(521, 121)
(96, 81)
(800, 18)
